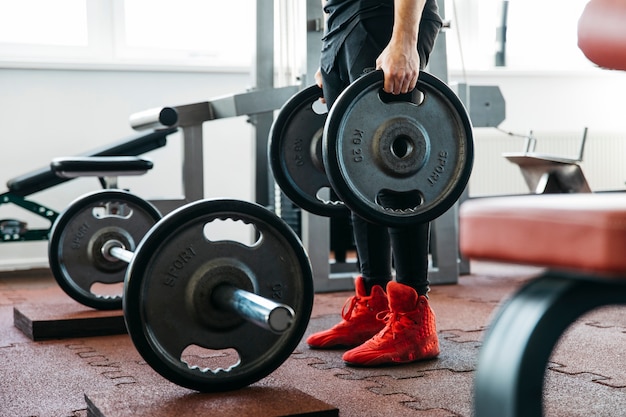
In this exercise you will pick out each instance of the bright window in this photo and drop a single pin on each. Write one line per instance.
(183, 33)
(37, 31)
(36, 22)
(541, 35)
(197, 32)
(544, 34)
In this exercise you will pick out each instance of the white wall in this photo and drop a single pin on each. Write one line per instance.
(50, 113)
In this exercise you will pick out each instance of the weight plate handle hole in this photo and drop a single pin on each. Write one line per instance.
(107, 291)
(327, 196)
(319, 107)
(210, 360)
(399, 201)
(416, 97)
(112, 209)
(232, 231)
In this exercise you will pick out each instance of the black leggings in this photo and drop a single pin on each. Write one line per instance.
(375, 243)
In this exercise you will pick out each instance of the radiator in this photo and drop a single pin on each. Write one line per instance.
(602, 164)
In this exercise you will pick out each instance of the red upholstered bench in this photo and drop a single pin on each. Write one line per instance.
(581, 239)
(581, 232)
(602, 33)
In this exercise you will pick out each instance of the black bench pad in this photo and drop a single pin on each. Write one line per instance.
(44, 178)
(99, 166)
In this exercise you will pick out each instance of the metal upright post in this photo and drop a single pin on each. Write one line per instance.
(316, 229)
(446, 260)
(263, 80)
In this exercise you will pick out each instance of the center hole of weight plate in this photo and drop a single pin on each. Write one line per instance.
(231, 230)
(210, 360)
(402, 146)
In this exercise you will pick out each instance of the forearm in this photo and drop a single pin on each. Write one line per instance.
(399, 60)
(318, 73)
(407, 16)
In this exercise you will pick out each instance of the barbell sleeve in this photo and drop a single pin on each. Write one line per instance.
(259, 310)
(119, 252)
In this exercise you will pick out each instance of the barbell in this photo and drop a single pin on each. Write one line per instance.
(415, 150)
(185, 288)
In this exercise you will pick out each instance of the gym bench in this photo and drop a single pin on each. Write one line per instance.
(581, 240)
(44, 178)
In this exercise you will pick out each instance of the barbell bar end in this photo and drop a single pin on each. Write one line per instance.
(280, 319)
(114, 250)
(266, 313)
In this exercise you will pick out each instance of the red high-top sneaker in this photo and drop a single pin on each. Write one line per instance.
(410, 333)
(359, 320)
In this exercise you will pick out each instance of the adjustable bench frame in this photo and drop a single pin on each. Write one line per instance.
(154, 126)
(44, 178)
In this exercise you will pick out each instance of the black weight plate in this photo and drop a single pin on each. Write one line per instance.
(419, 150)
(295, 154)
(78, 234)
(167, 304)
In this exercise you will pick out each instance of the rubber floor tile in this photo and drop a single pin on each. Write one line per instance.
(594, 350)
(161, 400)
(66, 320)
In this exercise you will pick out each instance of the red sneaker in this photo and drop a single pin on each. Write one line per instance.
(359, 320)
(409, 335)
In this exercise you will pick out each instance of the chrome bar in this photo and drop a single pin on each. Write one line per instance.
(116, 251)
(259, 310)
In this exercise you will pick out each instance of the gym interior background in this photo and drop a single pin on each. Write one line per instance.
(72, 92)
(72, 72)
